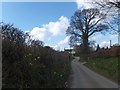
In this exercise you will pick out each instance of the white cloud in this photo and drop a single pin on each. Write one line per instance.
(84, 4)
(59, 27)
(65, 41)
(114, 36)
(105, 44)
(51, 29)
(39, 33)
(95, 37)
(56, 47)
(27, 31)
(61, 43)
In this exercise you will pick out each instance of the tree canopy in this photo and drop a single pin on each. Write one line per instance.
(113, 9)
(83, 24)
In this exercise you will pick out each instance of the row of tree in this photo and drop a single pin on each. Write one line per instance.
(113, 51)
(27, 63)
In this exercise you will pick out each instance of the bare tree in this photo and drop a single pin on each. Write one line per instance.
(108, 3)
(84, 23)
(113, 6)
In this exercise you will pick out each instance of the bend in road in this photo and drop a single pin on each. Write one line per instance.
(83, 77)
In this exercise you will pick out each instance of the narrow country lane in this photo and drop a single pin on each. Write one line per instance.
(82, 77)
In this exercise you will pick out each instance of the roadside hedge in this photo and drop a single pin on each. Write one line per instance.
(27, 63)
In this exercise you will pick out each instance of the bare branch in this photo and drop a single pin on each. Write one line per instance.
(83, 24)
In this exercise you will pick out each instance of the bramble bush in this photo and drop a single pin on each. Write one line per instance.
(27, 63)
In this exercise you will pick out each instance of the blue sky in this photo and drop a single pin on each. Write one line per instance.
(46, 21)
(30, 14)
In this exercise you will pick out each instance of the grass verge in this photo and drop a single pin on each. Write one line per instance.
(107, 67)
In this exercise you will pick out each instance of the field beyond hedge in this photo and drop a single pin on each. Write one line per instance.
(108, 67)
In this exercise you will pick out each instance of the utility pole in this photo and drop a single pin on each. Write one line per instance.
(110, 43)
(118, 26)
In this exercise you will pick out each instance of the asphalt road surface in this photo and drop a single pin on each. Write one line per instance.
(82, 77)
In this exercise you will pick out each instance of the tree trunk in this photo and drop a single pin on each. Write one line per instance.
(85, 49)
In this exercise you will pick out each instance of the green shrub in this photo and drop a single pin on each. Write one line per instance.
(30, 64)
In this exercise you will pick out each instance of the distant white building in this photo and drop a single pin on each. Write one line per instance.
(71, 51)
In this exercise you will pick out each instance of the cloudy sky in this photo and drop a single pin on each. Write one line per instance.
(48, 21)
